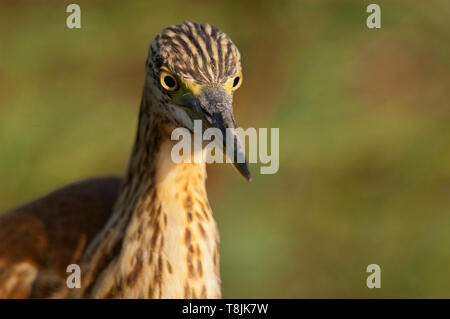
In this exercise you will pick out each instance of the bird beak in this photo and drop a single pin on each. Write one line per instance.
(213, 105)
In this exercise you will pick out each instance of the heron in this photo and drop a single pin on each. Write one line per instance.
(152, 233)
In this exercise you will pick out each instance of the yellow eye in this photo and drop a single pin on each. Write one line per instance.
(168, 81)
(237, 82)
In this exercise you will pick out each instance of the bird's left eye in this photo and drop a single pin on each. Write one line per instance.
(237, 82)
(168, 81)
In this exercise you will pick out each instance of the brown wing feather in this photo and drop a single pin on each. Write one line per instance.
(39, 240)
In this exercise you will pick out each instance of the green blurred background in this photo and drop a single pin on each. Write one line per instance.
(363, 114)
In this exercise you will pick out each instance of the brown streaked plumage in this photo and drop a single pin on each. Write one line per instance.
(47, 235)
(152, 234)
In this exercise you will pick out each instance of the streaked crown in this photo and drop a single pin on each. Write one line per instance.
(198, 52)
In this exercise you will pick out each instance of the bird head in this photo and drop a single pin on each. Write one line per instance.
(192, 72)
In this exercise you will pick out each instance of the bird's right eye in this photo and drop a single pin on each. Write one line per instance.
(168, 81)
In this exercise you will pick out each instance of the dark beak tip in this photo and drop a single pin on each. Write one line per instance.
(248, 176)
(243, 170)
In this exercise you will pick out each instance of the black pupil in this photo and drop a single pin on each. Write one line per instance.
(236, 81)
(169, 81)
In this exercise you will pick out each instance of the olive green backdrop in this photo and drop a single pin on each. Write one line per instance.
(364, 118)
